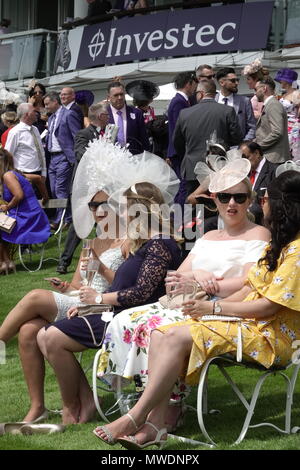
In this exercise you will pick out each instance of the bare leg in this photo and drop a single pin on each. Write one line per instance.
(35, 304)
(33, 366)
(167, 358)
(77, 396)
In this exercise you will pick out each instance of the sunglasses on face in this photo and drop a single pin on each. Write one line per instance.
(239, 198)
(93, 205)
(209, 77)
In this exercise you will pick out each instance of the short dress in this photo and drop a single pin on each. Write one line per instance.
(112, 259)
(126, 343)
(32, 223)
(269, 342)
(140, 279)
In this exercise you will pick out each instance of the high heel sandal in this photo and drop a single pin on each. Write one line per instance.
(111, 441)
(132, 444)
(3, 268)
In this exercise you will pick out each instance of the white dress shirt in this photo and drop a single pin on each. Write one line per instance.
(55, 144)
(229, 98)
(20, 143)
(124, 117)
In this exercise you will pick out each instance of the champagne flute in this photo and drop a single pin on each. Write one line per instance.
(85, 257)
(92, 269)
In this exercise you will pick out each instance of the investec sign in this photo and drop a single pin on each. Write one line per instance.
(177, 33)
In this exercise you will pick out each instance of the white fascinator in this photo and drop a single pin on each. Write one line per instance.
(205, 170)
(96, 172)
(287, 166)
(108, 167)
(231, 174)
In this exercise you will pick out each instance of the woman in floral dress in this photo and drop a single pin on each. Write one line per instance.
(269, 305)
(219, 262)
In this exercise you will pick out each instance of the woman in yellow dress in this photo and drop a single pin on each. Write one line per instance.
(269, 305)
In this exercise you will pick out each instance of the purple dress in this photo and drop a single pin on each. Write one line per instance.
(138, 281)
(32, 223)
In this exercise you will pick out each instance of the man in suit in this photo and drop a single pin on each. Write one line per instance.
(228, 82)
(271, 127)
(67, 98)
(130, 120)
(63, 125)
(261, 174)
(195, 126)
(98, 116)
(185, 84)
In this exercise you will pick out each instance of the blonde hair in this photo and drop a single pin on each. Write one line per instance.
(9, 116)
(150, 204)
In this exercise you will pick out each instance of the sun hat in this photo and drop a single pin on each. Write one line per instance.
(286, 75)
(142, 90)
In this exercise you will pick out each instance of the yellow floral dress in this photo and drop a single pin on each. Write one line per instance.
(268, 342)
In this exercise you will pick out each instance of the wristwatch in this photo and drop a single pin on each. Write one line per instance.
(216, 308)
(98, 299)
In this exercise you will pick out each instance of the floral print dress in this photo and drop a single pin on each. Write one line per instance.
(126, 344)
(268, 342)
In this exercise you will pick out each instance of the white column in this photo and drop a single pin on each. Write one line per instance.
(80, 8)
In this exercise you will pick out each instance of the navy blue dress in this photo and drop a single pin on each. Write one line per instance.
(32, 223)
(138, 281)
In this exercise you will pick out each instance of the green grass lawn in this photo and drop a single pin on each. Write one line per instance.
(224, 427)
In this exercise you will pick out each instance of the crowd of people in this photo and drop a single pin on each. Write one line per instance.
(225, 151)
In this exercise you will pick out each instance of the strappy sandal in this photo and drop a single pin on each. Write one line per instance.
(111, 441)
(132, 444)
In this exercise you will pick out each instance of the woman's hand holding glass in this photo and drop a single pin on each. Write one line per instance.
(197, 308)
(207, 281)
(87, 295)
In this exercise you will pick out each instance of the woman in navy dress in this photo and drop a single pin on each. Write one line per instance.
(20, 203)
(138, 281)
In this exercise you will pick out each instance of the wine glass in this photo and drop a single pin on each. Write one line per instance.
(92, 269)
(170, 285)
(189, 290)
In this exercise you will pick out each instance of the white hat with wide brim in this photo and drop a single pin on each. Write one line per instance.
(230, 175)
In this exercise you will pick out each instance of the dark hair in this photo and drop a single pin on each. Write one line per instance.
(269, 82)
(252, 146)
(183, 78)
(223, 72)
(284, 215)
(32, 90)
(116, 84)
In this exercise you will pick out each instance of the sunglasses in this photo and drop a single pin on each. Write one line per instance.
(233, 80)
(209, 77)
(239, 198)
(93, 205)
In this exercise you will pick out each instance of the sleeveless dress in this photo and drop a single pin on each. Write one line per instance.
(269, 342)
(293, 127)
(32, 223)
(112, 258)
(126, 344)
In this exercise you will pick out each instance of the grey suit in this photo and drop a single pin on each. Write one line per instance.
(244, 111)
(272, 133)
(195, 126)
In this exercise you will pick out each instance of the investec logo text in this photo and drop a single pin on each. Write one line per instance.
(187, 37)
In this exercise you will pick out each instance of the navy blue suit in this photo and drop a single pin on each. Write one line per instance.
(136, 134)
(177, 103)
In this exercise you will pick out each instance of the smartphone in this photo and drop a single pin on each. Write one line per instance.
(54, 281)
